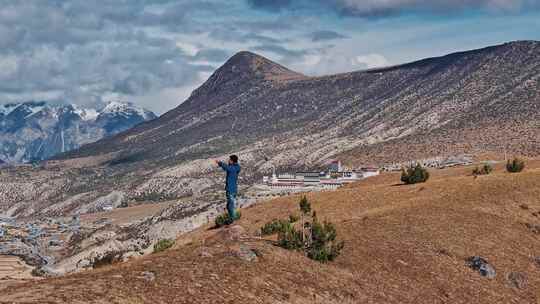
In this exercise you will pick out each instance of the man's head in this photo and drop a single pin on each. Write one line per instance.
(233, 159)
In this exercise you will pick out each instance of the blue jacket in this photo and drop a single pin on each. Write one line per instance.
(232, 176)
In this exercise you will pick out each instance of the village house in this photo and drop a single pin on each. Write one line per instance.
(334, 178)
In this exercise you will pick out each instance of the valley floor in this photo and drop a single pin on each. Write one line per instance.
(403, 244)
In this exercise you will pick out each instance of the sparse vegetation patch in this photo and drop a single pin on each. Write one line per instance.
(155, 196)
(163, 245)
(317, 240)
(413, 175)
(223, 219)
(515, 165)
(275, 226)
(484, 170)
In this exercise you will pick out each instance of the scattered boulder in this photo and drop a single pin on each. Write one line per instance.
(243, 252)
(234, 233)
(84, 263)
(517, 280)
(482, 266)
(148, 276)
(38, 272)
(533, 228)
(537, 261)
(44, 271)
(205, 253)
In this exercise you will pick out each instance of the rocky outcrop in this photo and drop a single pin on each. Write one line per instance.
(482, 266)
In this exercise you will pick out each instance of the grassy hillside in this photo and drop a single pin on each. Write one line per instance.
(403, 244)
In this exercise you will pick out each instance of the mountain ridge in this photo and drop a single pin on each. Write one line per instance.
(476, 103)
(479, 103)
(373, 90)
(37, 130)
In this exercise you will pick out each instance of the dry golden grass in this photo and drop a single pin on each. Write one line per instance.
(403, 244)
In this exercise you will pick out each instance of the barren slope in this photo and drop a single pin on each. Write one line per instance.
(474, 102)
(404, 244)
(251, 101)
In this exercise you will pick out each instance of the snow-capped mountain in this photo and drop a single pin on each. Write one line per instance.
(37, 130)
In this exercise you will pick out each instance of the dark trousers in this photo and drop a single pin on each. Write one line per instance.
(231, 204)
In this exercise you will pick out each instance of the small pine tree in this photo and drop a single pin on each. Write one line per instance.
(290, 238)
(305, 205)
(275, 226)
(305, 208)
(413, 175)
(278, 226)
(317, 240)
(515, 165)
(323, 246)
(293, 218)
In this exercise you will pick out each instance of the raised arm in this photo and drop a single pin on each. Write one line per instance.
(223, 165)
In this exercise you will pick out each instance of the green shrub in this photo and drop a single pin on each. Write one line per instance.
(515, 165)
(163, 245)
(413, 175)
(323, 246)
(277, 226)
(223, 219)
(293, 218)
(290, 238)
(305, 205)
(485, 170)
(317, 240)
(273, 227)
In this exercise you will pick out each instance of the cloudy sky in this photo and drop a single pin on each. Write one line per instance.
(155, 52)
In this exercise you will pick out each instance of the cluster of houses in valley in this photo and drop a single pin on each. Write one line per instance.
(9, 228)
(335, 177)
(36, 240)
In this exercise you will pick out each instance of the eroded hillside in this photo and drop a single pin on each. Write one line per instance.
(474, 102)
(403, 244)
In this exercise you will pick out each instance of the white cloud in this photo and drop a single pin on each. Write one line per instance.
(154, 52)
(8, 66)
(370, 61)
(188, 48)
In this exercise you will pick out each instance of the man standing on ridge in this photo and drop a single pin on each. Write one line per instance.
(231, 184)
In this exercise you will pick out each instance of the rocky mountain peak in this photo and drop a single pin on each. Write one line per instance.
(126, 109)
(241, 72)
(245, 62)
